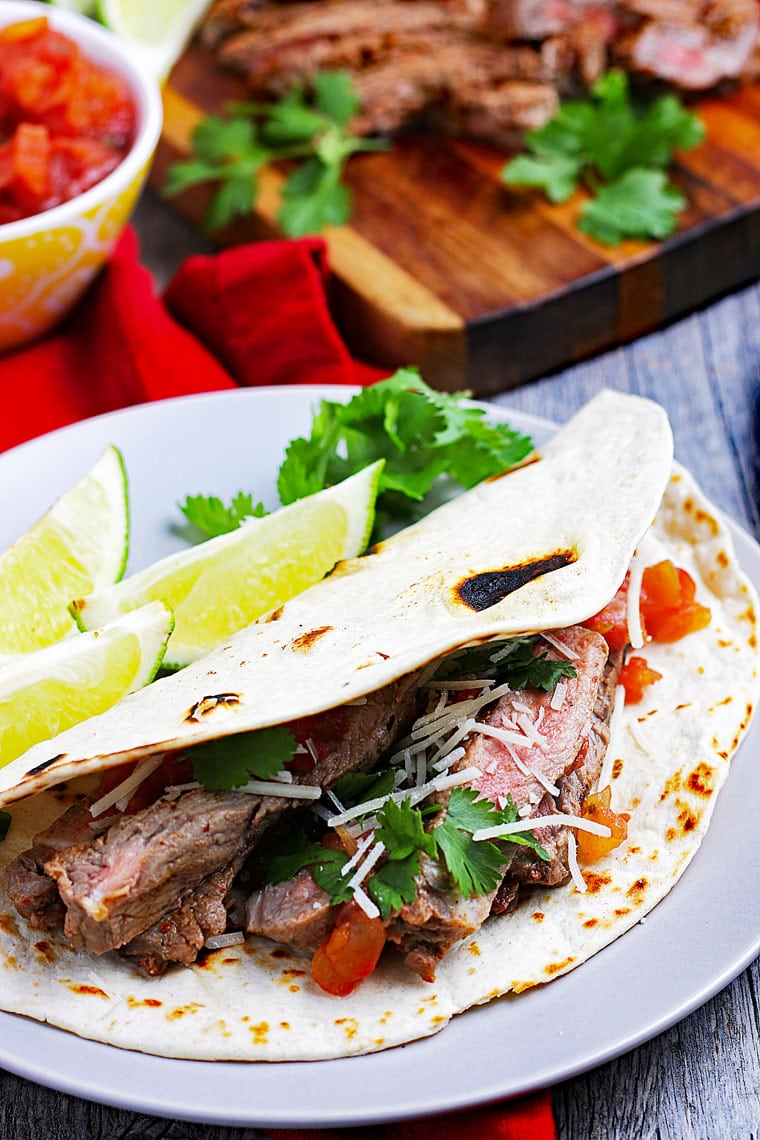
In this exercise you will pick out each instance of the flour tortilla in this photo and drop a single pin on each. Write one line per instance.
(257, 1001)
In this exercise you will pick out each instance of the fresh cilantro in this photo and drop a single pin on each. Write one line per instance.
(356, 787)
(423, 435)
(286, 858)
(313, 131)
(523, 667)
(211, 516)
(394, 884)
(619, 149)
(234, 760)
(5, 822)
(400, 827)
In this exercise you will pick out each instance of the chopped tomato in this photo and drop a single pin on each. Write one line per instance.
(350, 952)
(612, 621)
(668, 607)
(175, 769)
(65, 122)
(596, 807)
(635, 676)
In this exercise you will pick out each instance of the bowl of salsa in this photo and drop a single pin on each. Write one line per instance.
(79, 123)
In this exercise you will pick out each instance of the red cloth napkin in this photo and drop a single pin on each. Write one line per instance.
(252, 315)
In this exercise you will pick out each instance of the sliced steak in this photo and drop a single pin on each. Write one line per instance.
(182, 932)
(297, 912)
(32, 892)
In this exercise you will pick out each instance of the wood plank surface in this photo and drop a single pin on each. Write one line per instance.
(486, 287)
(699, 1080)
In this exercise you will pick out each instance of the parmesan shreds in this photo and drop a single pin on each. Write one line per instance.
(560, 646)
(540, 821)
(572, 864)
(505, 651)
(365, 902)
(455, 686)
(616, 719)
(125, 789)
(558, 696)
(415, 795)
(366, 866)
(633, 602)
(285, 791)
(363, 846)
(220, 941)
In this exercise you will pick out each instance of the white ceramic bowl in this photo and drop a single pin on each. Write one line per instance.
(48, 260)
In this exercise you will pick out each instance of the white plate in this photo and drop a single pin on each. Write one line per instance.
(647, 980)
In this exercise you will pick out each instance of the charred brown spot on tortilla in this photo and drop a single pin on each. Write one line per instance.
(637, 887)
(672, 785)
(538, 915)
(89, 991)
(309, 638)
(45, 764)
(275, 615)
(595, 882)
(10, 963)
(180, 1010)
(702, 780)
(349, 1025)
(474, 949)
(590, 923)
(207, 705)
(135, 1003)
(481, 591)
(284, 1025)
(8, 924)
(617, 769)
(46, 952)
(555, 967)
(260, 1033)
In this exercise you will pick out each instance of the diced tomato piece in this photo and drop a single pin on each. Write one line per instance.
(31, 160)
(23, 30)
(350, 952)
(78, 164)
(612, 621)
(596, 807)
(635, 676)
(668, 606)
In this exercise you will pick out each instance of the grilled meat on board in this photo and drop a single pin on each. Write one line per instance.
(488, 69)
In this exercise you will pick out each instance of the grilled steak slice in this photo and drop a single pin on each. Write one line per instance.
(158, 864)
(181, 934)
(125, 880)
(296, 912)
(32, 892)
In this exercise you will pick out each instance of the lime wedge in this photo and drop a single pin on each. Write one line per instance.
(43, 693)
(158, 29)
(78, 546)
(225, 583)
(86, 7)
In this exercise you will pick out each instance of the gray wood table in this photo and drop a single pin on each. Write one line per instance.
(699, 1080)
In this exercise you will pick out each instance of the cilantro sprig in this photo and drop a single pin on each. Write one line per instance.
(429, 440)
(313, 131)
(522, 667)
(232, 761)
(620, 150)
(474, 867)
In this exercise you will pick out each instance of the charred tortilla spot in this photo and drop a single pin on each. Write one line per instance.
(180, 1010)
(152, 1003)
(260, 1033)
(349, 1025)
(555, 967)
(538, 915)
(672, 785)
(702, 780)
(45, 951)
(8, 924)
(207, 705)
(89, 991)
(45, 764)
(481, 591)
(722, 559)
(617, 769)
(306, 640)
(275, 615)
(636, 888)
(474, 949)
(590, 923)
(595, 882)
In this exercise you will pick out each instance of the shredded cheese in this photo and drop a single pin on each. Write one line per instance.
(220, 941)
(366, 866)
(572, 864)
(558, 696)
(633, 602)
(366, 903)
(616, 719)
(566, 650)
(540, 821)
(285, 791)
(125, 790)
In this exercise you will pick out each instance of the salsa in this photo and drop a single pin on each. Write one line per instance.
(65, 122)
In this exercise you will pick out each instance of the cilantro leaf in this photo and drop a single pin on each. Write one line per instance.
(639, 204)
(313, 197)
(476, 868)
(619, 148)
(233, 760)
(209, 514)
(356, 787)
(400, 827)
(286, 858)
(394, 884)
(423, 435)
(521, 668)
(5, 823)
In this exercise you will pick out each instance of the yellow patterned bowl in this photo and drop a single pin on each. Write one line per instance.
(48, 260)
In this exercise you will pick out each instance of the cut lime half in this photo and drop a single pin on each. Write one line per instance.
(225, 583)
(158, 29)
(78, 546)
(43, 693)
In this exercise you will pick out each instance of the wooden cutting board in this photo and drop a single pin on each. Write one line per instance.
(485, 287)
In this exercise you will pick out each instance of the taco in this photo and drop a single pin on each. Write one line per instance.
(458, 744)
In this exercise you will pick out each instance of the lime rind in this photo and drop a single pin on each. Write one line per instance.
(158, 29)
(225, 583)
